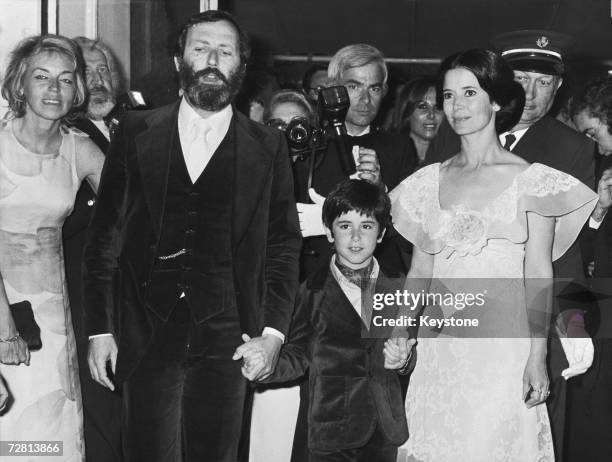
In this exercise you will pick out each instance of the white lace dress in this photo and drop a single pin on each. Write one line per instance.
(465, 400)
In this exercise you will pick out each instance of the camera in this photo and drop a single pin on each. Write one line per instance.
(332, 105)
(298, 132)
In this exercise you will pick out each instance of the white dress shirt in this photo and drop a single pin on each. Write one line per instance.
(518, 134)
(201, 137)
(100, 125)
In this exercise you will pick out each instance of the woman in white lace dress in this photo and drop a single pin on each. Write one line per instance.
(484, 223)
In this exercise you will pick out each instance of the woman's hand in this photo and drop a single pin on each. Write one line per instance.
(13, 349)
(535, 381)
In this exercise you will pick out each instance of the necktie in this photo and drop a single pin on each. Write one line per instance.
(510, 139)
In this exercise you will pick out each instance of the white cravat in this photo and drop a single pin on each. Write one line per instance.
(201, 137)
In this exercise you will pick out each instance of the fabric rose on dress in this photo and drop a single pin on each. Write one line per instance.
(466, 231)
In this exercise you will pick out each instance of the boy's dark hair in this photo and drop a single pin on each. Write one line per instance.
(360, 196)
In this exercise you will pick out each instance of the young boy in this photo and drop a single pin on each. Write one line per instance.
(356, 410)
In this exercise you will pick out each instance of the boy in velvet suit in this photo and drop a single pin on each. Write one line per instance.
(356, 410)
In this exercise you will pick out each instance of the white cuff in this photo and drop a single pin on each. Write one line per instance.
(273, 331)
(100, 335)
(594, 224)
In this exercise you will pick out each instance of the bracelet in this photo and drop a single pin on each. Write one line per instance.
(13, 339)
(406, 366)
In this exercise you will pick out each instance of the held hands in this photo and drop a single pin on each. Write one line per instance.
(310, 215)
(368, 167)
(397, 352)
(101, 350)
(535, 381)
(259, 356)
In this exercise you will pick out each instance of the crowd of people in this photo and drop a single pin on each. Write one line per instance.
(197, 284)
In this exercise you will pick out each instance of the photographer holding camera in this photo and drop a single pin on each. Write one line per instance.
(383, 159)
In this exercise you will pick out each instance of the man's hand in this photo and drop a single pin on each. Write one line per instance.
(604, 191)
(101, 350)
(368, 167)
(397, 352)
(310, 215)
(260, 355)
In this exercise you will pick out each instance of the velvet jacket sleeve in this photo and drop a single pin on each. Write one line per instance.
(100, 257)
(295, 354)
(283, 245)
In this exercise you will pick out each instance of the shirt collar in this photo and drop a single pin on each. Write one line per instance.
(518, 134)
(218, 122)
(365, 131)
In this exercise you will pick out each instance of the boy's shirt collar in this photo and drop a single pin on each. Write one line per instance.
(350, 288)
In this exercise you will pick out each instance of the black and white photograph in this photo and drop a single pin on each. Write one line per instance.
(305, 231)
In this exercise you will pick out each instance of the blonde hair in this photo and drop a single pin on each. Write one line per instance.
(12, 87)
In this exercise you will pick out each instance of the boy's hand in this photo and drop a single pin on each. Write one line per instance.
(397, 352)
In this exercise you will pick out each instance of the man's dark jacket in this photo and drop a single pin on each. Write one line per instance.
(126, 226)
(101, 406)
(350, 391)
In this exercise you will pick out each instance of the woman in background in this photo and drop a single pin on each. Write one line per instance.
(415, 112)
(42, 164)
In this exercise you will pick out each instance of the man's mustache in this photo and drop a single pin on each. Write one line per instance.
(210, 70)
(99, 89)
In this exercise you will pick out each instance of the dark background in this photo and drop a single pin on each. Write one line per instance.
(399, 28)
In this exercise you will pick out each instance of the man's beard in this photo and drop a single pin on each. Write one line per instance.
(101, 101)
(207, 96)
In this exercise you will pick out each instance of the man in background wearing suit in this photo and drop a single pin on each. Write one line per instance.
(536, 58)
(101, 406)
(193, 247)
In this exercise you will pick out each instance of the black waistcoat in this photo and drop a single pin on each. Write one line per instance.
(195, 254)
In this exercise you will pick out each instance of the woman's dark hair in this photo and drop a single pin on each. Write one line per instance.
(495, 77)
(214, 16)
(596, 100)
(411, 94)
(359, 196)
